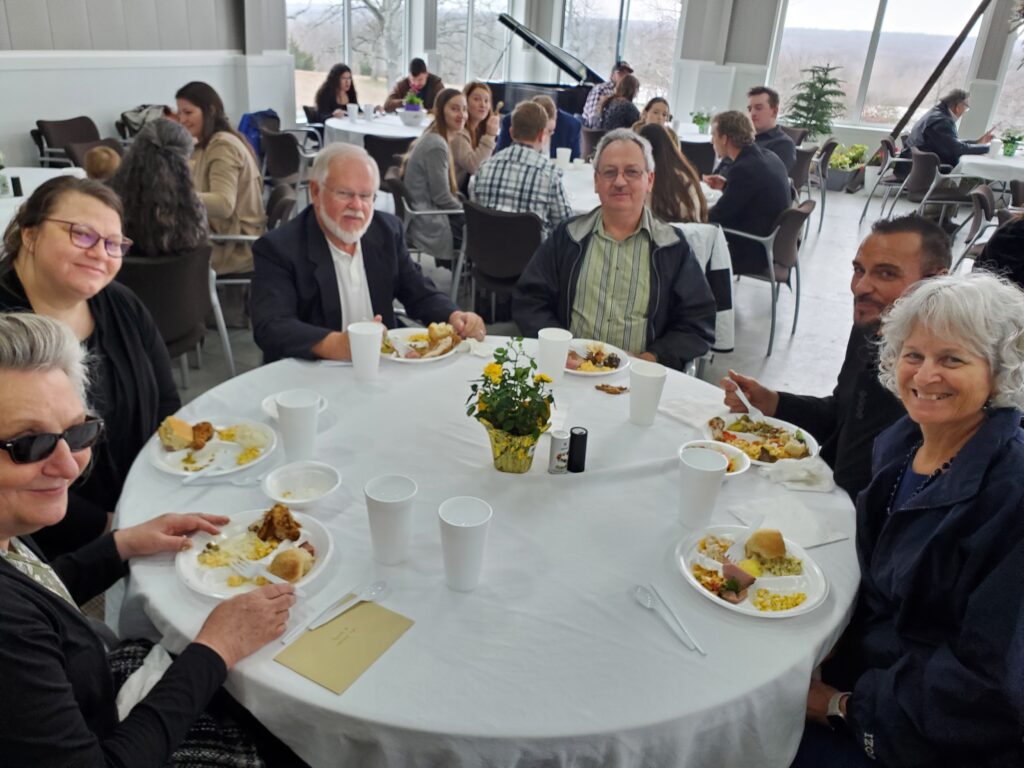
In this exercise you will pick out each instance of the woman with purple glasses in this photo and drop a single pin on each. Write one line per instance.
(60, 256)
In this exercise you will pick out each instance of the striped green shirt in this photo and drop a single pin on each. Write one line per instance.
(613, 289)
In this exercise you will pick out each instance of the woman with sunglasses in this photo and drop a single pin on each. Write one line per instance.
(61, 253)
(58, 707)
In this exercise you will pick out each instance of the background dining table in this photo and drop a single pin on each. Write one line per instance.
(31, 178)
(388, 126)
(992, 167)
(549, 662)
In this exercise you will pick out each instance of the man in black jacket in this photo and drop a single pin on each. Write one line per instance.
(763, 109)
(756, 192)
(936, 132)
(896, 254)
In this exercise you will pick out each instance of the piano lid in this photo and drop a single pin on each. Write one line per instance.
(562, 59)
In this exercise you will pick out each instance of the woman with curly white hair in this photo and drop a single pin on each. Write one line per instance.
(919, 677)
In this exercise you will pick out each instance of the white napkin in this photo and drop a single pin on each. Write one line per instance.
(694, 411)
(142, 680)
(801, 474)
(793, 519)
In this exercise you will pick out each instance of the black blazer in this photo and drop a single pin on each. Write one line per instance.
(295, 299)
(756, 192)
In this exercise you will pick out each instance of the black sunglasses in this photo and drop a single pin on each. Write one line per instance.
(29, 449)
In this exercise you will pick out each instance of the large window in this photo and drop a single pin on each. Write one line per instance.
(591, 32)
(651, 43)
(377, 42)
(1010, 107)
(489, 40)
(452, 23)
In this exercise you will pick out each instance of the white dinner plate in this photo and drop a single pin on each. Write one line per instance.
(269, 405)
(812, 581)
(729, 418)
(213, 581)
(218, 455)
(402, 334)
(579, 346)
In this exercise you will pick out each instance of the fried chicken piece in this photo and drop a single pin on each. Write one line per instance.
(277, 523)
(201, 434)
(611, 389)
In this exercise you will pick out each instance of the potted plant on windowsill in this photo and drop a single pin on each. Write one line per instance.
(1011, 140)
(844, 164)
(816, 101)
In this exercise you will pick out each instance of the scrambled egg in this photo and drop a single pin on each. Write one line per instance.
(248, 455)
(773, 601)
(245, 546)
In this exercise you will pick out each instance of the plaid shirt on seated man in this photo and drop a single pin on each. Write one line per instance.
(520, 179)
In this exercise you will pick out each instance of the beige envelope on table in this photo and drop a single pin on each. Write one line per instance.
(336, 654)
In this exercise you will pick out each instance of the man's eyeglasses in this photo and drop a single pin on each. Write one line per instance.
(85, 237)
(609, 175)
(347, 196)
(29, 449)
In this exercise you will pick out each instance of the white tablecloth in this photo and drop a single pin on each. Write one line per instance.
(31, 178)
(992, 167)
(550, 661)
(389, 126)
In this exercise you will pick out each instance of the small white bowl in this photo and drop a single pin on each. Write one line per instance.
(301, 484)
(737, 458)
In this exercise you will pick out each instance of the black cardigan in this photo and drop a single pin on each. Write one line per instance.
(131, 388)
(58, 707)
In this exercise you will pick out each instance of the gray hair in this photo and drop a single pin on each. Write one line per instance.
(322, 163)
(625, 134)
(954, 97)
(980, 310)
(30, 342)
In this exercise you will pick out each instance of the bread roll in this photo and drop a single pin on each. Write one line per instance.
(175, 434)
(767, 543)
(292, 564)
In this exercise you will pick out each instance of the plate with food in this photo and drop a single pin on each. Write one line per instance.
(764, 440)
(184, 448)
(292, 546)
(739, 462)
(421, 345)
(594, 358)
(775, 579)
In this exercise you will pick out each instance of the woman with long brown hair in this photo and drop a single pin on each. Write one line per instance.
(617, 109)
(676, 195)
(335, 93)
(474, 144)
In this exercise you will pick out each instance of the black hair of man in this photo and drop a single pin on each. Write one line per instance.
(937, 254)
(773, 95)
(417, 67)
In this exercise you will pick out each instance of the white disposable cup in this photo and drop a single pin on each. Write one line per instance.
(554, 349)
(353, 111)
(297, 411)
(364, 340)
(368, 111)
(389, 507)
(646, 381)
(700, 478)
(562, 156)
(464, 523)
(995, 147)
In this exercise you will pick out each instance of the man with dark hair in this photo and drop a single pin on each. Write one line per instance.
(757, 190)
(936, 132)
(563, 130)
(763, 109)
(521, 179)
(590, 117)
(897, 254)
(420, 81)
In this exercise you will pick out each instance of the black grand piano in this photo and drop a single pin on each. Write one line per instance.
(571, 98)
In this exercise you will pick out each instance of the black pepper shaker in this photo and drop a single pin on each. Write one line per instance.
(16, 186)
(577, 449)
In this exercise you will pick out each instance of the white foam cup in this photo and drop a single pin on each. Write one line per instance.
(297, 411)
(464, 524)
(364, 340)
(562, 157)
(646, 381)
(553, 351)
(353, 111)
(389, 500)
(700, 478)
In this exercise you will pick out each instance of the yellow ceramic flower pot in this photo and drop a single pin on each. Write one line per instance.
(512, 453)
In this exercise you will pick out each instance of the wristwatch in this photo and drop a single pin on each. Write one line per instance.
(836, 718)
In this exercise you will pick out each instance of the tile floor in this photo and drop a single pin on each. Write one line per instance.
(806, 362)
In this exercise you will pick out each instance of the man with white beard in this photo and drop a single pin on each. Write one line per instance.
(340, 262)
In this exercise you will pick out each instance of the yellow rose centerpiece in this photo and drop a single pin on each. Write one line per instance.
(513, 403)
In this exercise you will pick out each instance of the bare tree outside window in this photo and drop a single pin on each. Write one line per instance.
(590, 32)
(489, 39)
(650, 44)
(451, 41)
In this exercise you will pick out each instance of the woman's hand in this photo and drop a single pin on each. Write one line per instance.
(167, 533)
(493, 124)
(244, 624)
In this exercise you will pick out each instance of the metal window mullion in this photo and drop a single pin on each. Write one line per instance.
(620, 39)
(470, 9)
(869, 63)
(346, 43)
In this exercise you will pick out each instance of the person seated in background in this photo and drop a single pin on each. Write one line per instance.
(60, 707)
(101, 163)
(563, 130)
(656, 112)
(1004, 251)
(428, 171)
(521, 178)
(61, 253)
(336, 92)
(421, 82)
(897, 255)
(757, 191)
(936, 132)
(601, 91)
(619, 274)
(918, 678)
(162, 212)
(617, 110)
(474, 144)
(676, 195)
(763, 110)
(339, 262)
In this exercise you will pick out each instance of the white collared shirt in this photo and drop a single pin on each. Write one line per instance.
(352, 288)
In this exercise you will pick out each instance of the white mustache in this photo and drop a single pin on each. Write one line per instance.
(354, 215)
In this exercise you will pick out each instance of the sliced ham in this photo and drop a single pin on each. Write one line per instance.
(744, 579)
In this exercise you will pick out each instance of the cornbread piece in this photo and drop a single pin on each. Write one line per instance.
(292, 564)
(277, 523)
(201, 434)
(175, 434)
(767, 543)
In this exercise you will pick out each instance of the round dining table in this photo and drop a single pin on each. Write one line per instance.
(30, 177)
(390, 126)
(549, 661)
(992, 167)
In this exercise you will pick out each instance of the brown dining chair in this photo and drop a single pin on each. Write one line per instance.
(796, 134)
(51, 138)
(887, 178)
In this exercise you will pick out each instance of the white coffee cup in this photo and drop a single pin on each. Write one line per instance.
(389, 501)
(297, 411)
(553, 351)
(353, 111)
(464, 524)
(646, 381)
(364, 340)
(368, 111)
(995, 147)
(579, 162)
(562, 156)
(700, 478)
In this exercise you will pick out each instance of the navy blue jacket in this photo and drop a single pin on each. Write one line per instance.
(567, 134)
(681, 313)
(942, 585)
(936, 132)
(295, 299)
